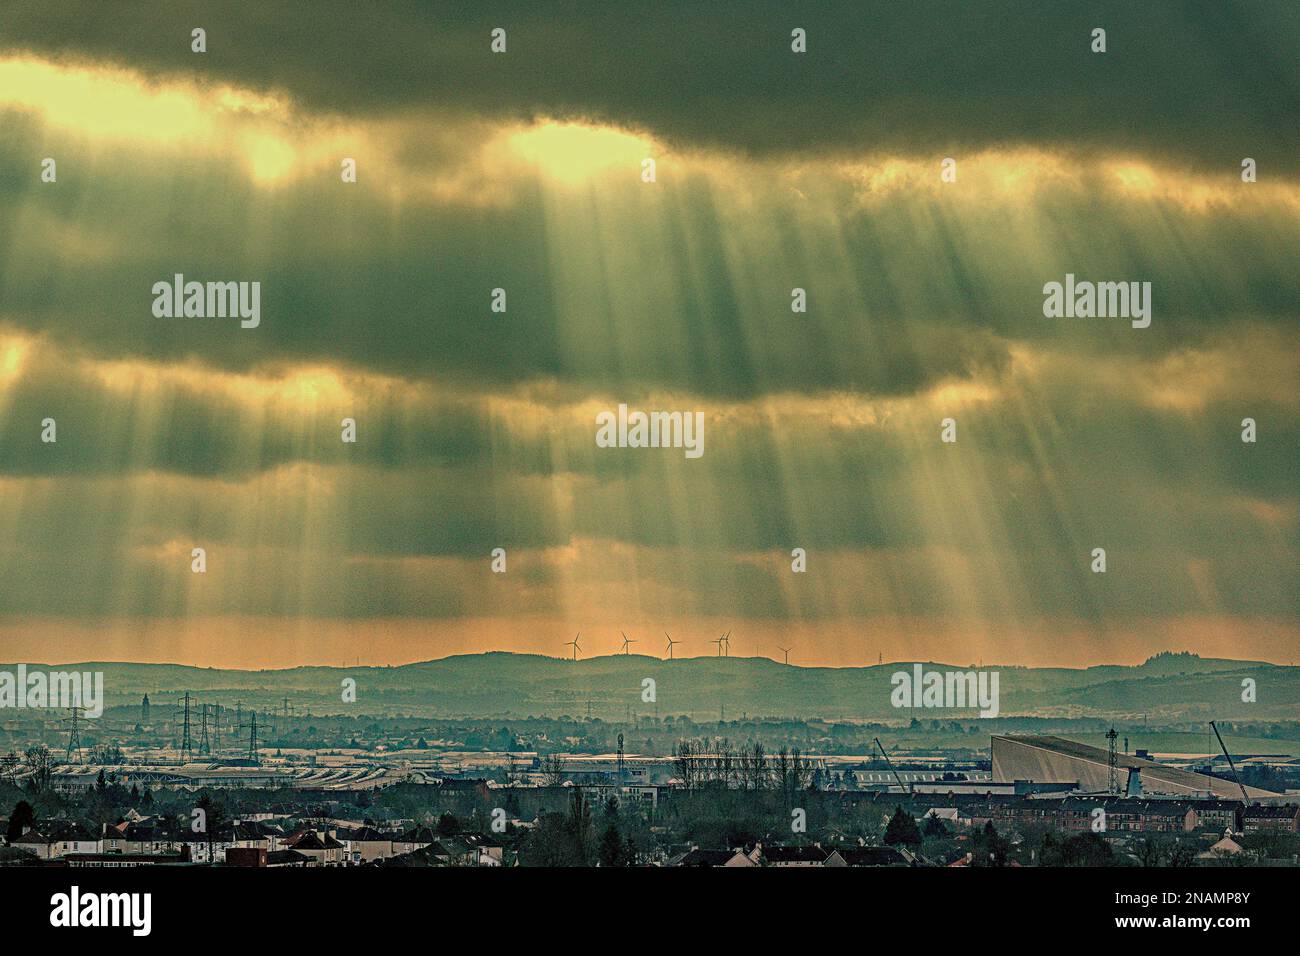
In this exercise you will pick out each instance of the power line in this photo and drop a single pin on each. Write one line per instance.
(253, 756)
(187, 742)
(74, 734)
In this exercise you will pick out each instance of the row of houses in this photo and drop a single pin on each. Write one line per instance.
(1132, 814)
(801, 856)
(244, 843)
(1078, 812)
(467, 849)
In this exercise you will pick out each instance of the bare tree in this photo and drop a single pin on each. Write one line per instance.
(783, 774)
(758, 769)
(553, 769)
(727, 765)
(685, 760)
(42, 767)
(9, 767)
(801, 772)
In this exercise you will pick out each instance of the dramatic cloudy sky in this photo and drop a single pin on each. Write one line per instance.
(476, 430)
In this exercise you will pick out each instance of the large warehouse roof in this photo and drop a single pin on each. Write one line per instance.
(1056, 760)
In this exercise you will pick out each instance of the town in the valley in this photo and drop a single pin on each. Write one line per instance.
(204, 784)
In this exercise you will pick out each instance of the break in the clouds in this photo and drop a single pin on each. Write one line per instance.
(475, 428)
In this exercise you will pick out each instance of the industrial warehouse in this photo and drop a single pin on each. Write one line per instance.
(1056, 760)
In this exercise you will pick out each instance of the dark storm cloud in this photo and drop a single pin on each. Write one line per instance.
(1201, 83)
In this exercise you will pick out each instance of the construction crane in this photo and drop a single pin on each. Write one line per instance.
(1231, 766)
(906, 787)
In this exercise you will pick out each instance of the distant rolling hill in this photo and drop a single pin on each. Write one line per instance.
(1167, 687)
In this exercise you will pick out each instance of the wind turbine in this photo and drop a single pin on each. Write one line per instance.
(786, 651)
(719, 641)
(671, 642)
(574, 644)
(726, 644)
(626, 641)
